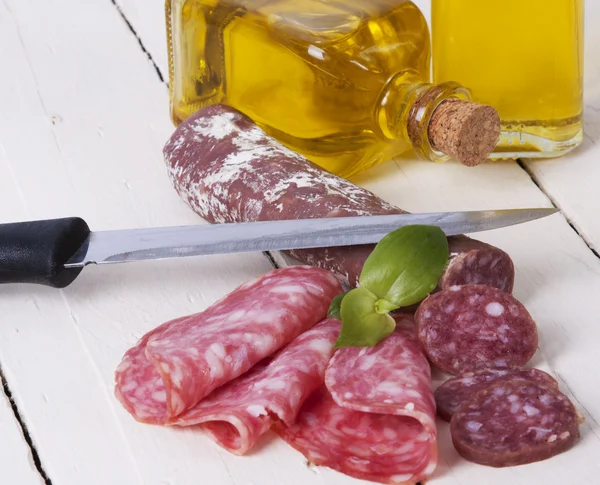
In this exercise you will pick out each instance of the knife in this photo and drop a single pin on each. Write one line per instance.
(53, 252)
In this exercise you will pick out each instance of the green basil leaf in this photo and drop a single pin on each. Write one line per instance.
(406, 265)
(335, 308)
(362, 326)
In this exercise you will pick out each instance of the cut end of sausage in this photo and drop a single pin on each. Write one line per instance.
(473, 262)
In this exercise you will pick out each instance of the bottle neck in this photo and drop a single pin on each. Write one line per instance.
(406, 110)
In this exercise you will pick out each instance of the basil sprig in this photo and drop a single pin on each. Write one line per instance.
(404, 268)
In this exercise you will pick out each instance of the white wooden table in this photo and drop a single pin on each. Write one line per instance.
(83, 117)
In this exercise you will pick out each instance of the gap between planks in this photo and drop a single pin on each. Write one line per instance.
(144, 50)
(555, 204)
(34, 454)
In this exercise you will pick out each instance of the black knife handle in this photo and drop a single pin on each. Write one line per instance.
(36, 251)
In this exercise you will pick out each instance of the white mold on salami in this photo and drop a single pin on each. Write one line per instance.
(467, 327)
(228, 170)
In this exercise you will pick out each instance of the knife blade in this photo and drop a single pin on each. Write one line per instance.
(53, 252)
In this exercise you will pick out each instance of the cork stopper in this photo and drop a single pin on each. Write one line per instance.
(463, 130)
(466, 131)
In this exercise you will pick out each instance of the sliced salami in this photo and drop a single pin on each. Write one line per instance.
(392, 377)
(173, 367)
(456, 391)
(228, 170)
(382, 448)
(468, 327)
(375, 419)
(138, 386)
(514, 422)
(238, 413)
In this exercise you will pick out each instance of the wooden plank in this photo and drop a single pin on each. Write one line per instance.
(572, 181)
(100, 159)
(83, 119)
(16, 462)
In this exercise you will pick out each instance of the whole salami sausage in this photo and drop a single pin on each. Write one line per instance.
(176, 365)
(228, 170)
(465, 328)
(458, 390)
(514, 422)
(239, 412)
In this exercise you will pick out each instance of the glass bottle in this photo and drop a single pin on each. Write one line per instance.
(525, 58)
(345, 83)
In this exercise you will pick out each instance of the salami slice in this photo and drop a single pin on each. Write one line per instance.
(460, 389)
(382, 448)
(468, 327)
(514, 422)
(238, 413)
(228, 170)
(375, 419)
(392, 377)
(173, 367)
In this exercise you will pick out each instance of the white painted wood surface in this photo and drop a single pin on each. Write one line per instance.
(83, 117)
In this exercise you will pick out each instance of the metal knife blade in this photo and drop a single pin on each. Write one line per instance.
(121, 246)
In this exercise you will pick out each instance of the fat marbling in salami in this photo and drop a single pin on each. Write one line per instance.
(383, 448)
(375, 419)
(460, 389)
(468, 327)
(176, 365)
(393, 377)
(239, 412)
(228, 170)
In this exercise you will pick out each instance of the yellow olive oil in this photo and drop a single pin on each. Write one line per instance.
(524, 58)
(327, 78)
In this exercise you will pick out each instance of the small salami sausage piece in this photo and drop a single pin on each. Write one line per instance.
(465, 328)
(176, 365)
(228, 170)
(379, 447)
(513, 423)
(239, 412)
(460, 389)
